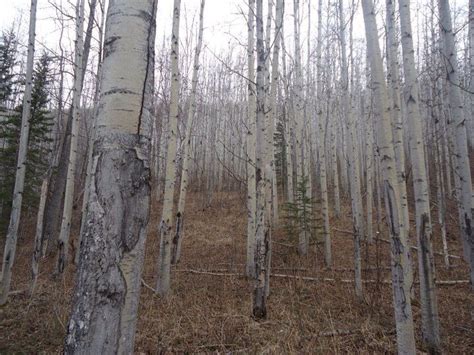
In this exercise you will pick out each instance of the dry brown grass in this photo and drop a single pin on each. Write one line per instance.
(209, 313)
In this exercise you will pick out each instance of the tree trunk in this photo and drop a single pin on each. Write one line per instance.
(12, 234)
(63, 241)
(459, 136)
(38, 235)
(90, 146)
(103, 317)
(251, 142)
(400, 262)
(176, 251)
(166, 224)
(353, 159)
(299, 107)
(429, 303)
(262, 230)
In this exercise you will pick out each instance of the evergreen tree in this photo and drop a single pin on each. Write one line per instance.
(298, 215)
(8, 53)
(38, 144)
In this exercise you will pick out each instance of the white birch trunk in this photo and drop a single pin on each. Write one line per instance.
(459, 137)
(395, 109)
(429, 303)
(251, 142)
(369, 152)
(322, 124)
(12, 234)
(104, 311)
(90, 146)
(262, 230)
(299, 107)
(38, 235)
(177, 240)
(470, 120)
(63, 241)
(400, 262)
(166, 224)
(273, 108)
(353, 158)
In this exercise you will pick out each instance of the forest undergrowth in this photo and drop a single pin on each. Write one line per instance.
(310, 309)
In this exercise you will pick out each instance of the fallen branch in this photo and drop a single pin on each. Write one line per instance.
(343, 231)
(148, 286)
(309, 278)
(337, 332)
(284, 244)
(416, 248)
(16, 292)
(204, 272)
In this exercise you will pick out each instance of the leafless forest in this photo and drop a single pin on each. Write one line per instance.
(242, 176)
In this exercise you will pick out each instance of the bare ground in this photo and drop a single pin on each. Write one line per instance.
(211, 312)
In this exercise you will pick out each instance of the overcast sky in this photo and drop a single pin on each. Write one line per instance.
(223, 22)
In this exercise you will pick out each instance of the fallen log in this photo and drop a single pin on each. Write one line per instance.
(310, 278)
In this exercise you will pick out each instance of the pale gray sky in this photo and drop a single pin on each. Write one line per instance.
(223, 21)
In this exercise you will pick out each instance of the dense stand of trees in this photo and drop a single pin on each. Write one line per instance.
(297, 128)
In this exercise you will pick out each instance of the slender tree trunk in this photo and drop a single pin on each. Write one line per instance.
(166, 224)
(353, 159)
(262, 230)
(63, 241)
(395, 109)
(271, 119)
(103, 317)
(176, 251)
(470, 120)
(400, 262)
(251, 142)
(393, 79)
(429, 303)
(12, 234)
(299, 107)
(275, 74)
(38, 236)
(369, 152)
(459, 137)
(322, 124)
(93, 130)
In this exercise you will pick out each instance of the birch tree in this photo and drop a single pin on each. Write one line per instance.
(353, 158)
(322, 124)
(251, 142)
(459, 135)
(90, 146)
(393, 79)
(429, 303)
(187, 145)
(63, 241)
(166, 224)
(262, 227)
(299, 107)
(106, 296)
(12, 234)
(400, 262)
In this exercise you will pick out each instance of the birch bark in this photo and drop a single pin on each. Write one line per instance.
(429, 303)
(12, 234)
(251, 143)
(459, 136)
(262, 231)
(106, 296)
(400, 263)
(166, 224)
(63, 241)
(353, 158)
(177, 240)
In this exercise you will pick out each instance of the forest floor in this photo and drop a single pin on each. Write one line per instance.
(209, 309)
